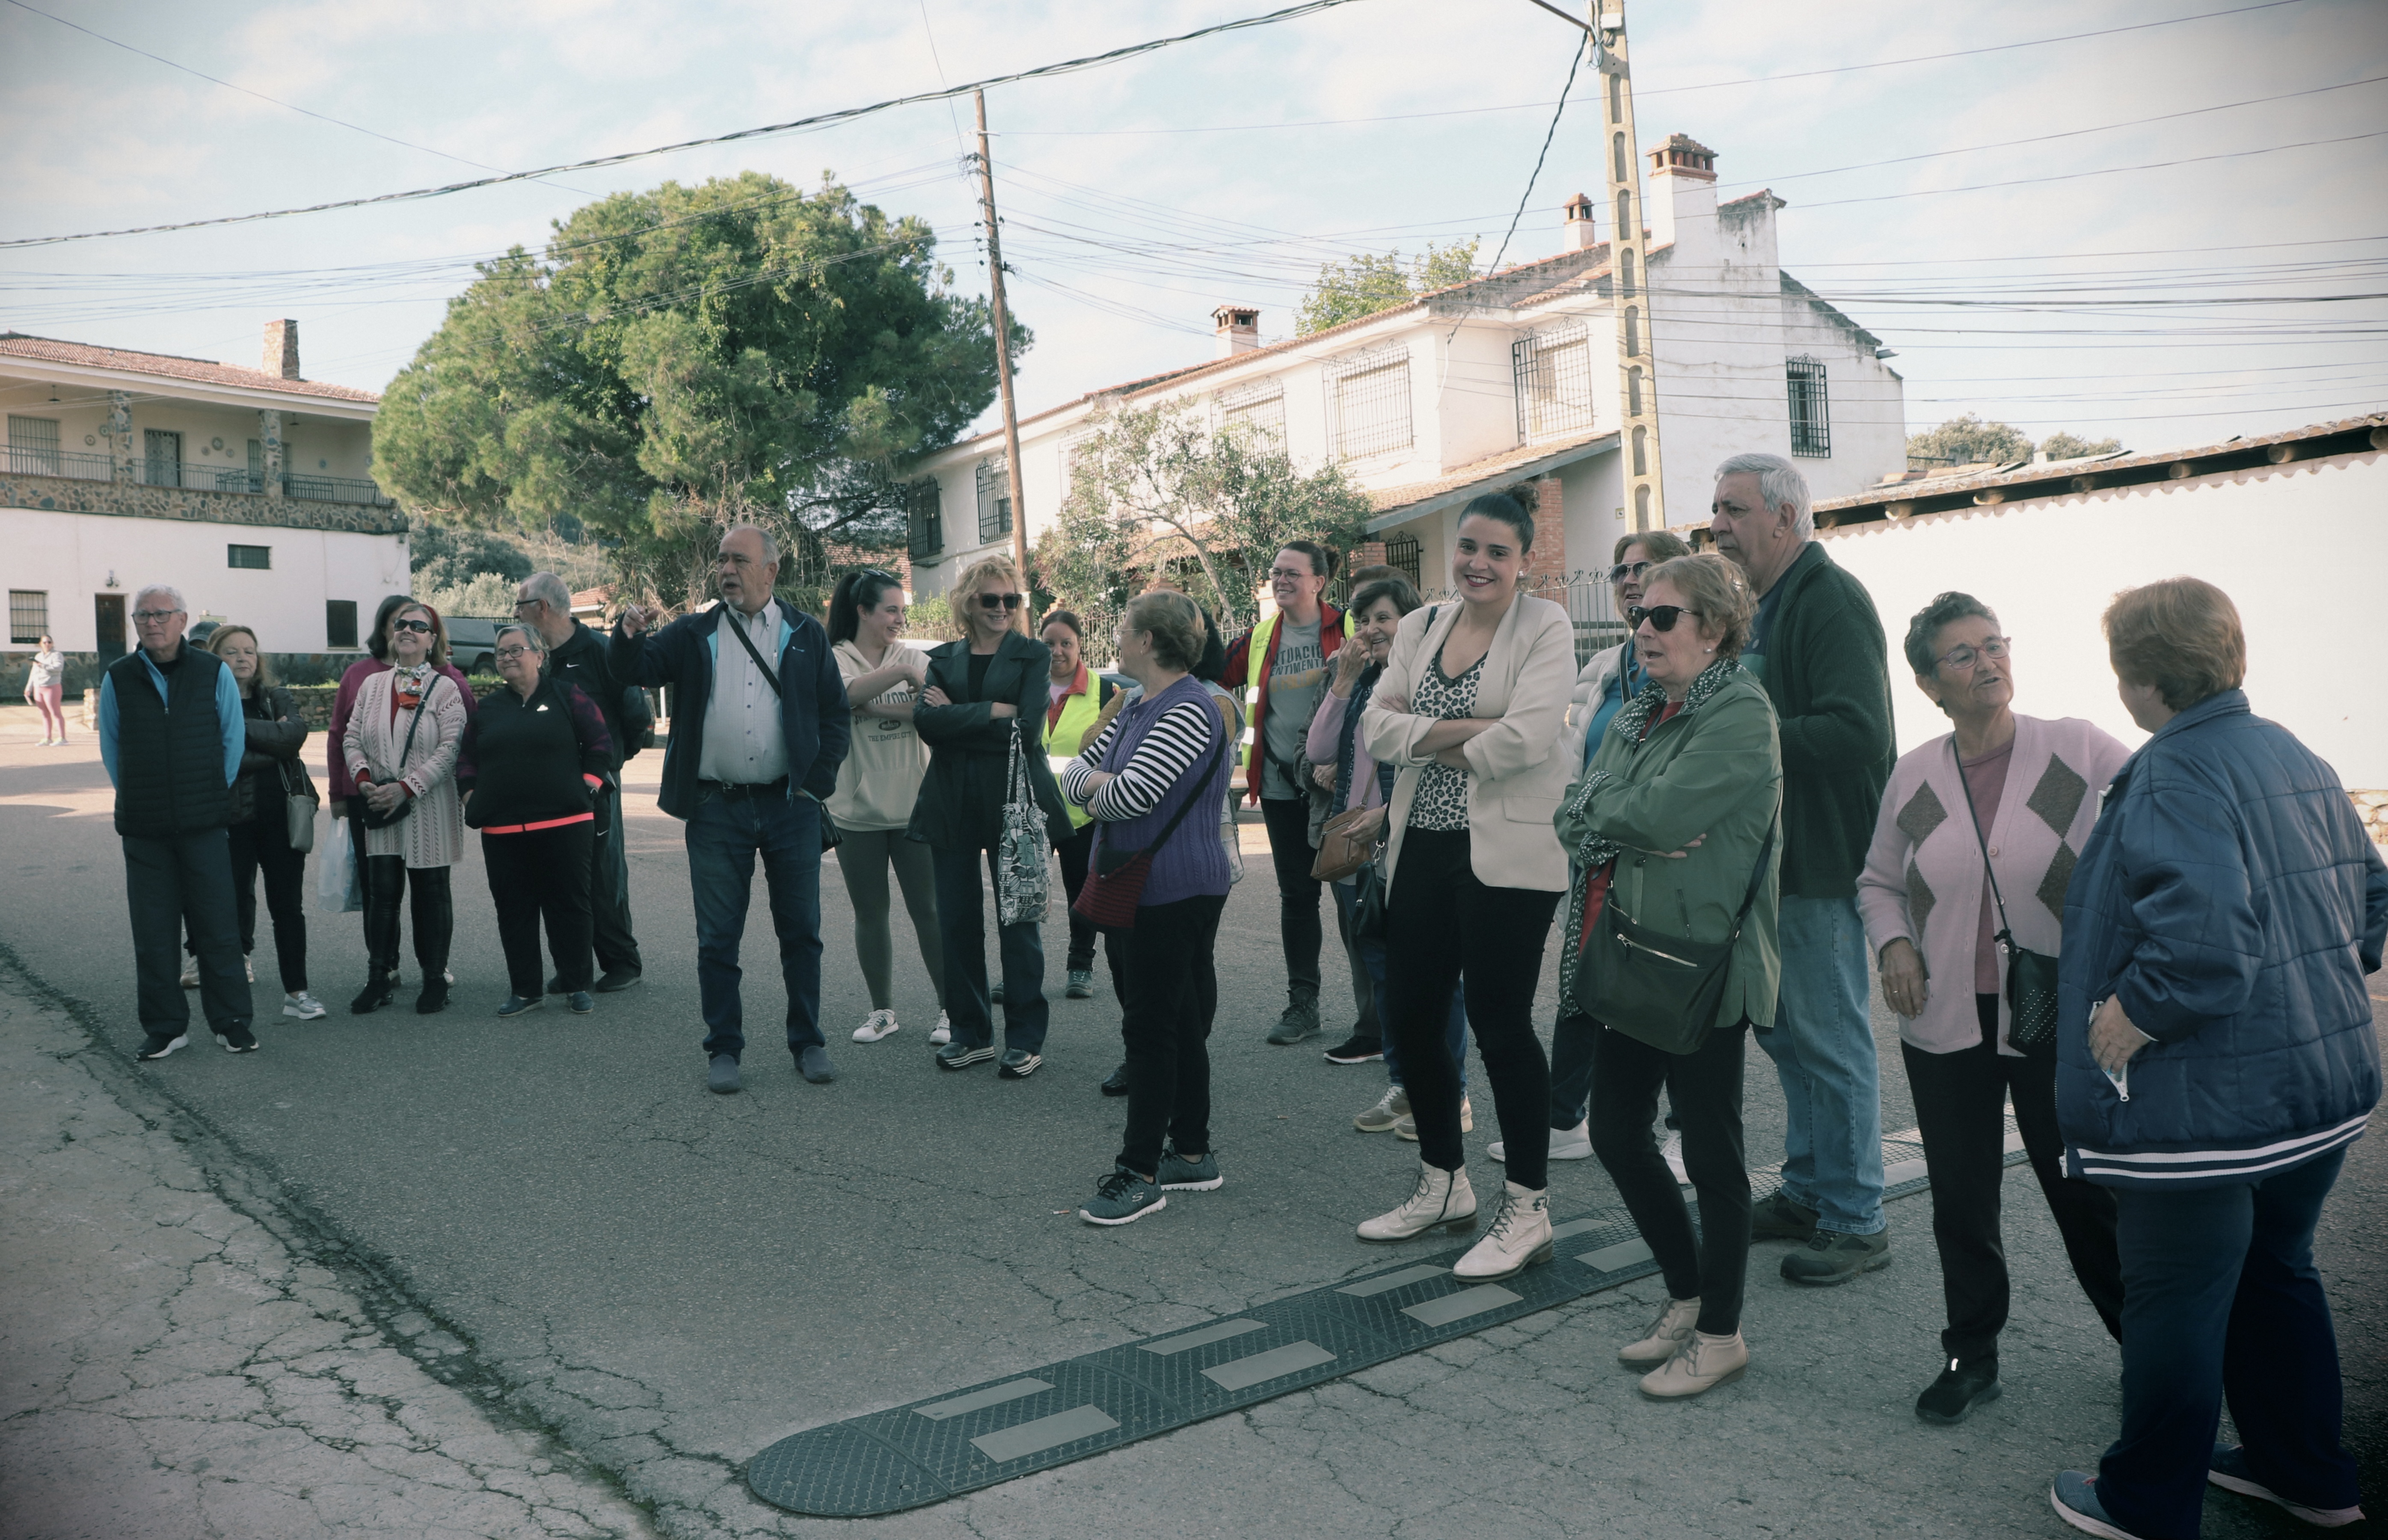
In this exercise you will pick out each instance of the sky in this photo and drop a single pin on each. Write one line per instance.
(2009, 218)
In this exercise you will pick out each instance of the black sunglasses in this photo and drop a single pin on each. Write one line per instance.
(1624, 570)
(422, 626)
(1662, 618)
(1000, 601)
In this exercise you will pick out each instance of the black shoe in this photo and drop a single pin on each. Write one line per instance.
(1776, 1217)
(813, 1065)
(618, 980)
(377, 992)
(1356, 1049)
(1116, 1084)
(1831, 1257)
(1961, 1388)
(517, 1004)
(434, 998)
(581, 1001)
(157, 1045)
(236, 1039)
(556, 984)
(1018, 1064)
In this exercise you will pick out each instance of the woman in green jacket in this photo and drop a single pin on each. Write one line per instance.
(1676, 810)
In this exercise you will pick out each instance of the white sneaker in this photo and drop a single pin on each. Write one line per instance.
(941, 1033)
(1391, 1108)
(1671, 1152)
(190, 973)
(1405, 1125)
(1443, 1200)
(877, 1025)
(1520, 1237)
(303, 1005)
(249, 965)
(1573, 1143)
(1666, 1337)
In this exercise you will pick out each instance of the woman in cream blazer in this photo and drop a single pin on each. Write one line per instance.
(1472, 710)
(411, 857)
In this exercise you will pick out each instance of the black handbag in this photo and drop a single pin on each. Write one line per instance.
(374, 819)
(1368, 905)
(2031, 975)
(1656, 987)
(832, 836)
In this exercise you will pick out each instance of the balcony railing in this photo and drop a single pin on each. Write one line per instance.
(56, 463)
(189, 475)
(332, 489)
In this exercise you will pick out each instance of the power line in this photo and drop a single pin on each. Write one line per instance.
(2109, 170)
(1575, 60)
(819, 120)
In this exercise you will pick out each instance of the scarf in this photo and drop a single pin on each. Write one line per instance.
(408, 686)
(1365, 687)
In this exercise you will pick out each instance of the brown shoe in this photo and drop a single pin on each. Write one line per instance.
(1703, 1363)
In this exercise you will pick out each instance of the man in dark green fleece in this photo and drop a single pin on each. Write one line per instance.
(1820, 649)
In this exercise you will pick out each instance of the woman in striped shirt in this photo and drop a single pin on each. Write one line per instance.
(1158, 759)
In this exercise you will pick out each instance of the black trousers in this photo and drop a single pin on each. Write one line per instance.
(1705, 1089)
(1173, 991)
(541, 874)
(263, 844)
(1076, 852)
(170, 885)
(1961, 1102)
(1297, 893)
(609, 890)
(1441, 926)
(428, 903)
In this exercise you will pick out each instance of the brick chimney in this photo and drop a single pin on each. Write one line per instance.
(1578, 228)
(282, 349)
(1238, 328)
(1682, 193)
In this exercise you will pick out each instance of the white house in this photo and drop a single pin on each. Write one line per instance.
(248, 488)
(1505, 379)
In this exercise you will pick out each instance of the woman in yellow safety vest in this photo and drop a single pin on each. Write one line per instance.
(1076, 696)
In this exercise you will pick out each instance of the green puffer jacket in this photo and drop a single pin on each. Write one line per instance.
(1713, 772)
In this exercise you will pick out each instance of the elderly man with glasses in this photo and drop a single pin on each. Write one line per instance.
(171, 735)
(577, 655)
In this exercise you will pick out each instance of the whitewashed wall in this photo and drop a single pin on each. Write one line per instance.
(2298, 547)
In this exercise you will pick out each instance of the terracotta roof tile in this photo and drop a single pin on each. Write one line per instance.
(170, 367)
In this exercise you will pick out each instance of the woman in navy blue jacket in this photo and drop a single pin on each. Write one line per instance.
(2216, 1057)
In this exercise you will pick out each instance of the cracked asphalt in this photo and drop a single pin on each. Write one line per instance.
(527, 1278)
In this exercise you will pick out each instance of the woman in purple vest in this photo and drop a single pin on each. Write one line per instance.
(1160, 758)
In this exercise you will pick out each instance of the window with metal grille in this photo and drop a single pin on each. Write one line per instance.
(28, 614)
(1402, 554)
(993, 499)
(1368, 402)
(259, 558)
(1812, 415)
(161, 454)
(1261, 407)
(1553, 375)
(339, 623)
(925, 519)
(33, 446)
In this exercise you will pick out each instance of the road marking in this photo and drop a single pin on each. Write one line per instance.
(1459, 1307)
(1275, 1364)
(1367, 1288)
(1624, 1254)
(1577, 1227)
(1046, 1433)
(1217, 1331)
(994, 1396)
(1905, 1170)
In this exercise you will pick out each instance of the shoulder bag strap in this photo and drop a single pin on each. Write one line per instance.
(2005, 937)
(1756, 874)
(769, 674)
(1210, 761)
(416, 720)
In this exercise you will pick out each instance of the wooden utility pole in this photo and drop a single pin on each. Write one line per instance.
(1002, 351)
(1628, 264)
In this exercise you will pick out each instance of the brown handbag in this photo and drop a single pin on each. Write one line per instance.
(1341, 850)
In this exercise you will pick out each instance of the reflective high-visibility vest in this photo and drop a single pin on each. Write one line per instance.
(1065, 735)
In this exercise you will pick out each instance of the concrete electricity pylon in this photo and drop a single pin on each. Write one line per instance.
(1630, 269)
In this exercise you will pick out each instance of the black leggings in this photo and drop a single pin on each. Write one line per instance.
(534, 875)
(434, 914)
(257, 846)
(1705, 1088)
(1173, 991)
(1443, 925)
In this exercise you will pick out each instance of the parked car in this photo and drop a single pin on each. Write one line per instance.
(473, 641)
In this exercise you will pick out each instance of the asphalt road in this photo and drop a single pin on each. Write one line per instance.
(671, 1281)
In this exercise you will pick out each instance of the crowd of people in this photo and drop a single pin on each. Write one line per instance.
(2155, 958)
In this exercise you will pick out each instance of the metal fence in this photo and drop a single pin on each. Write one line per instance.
(190, 474)
(1591, 604)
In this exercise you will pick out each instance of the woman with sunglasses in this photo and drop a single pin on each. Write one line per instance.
(1985, 818)
(1471, 711)
(983, 711)
(399, 748)
(1674, 825)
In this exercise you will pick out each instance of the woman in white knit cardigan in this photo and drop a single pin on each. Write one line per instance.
(2031, 786)
(416, 852)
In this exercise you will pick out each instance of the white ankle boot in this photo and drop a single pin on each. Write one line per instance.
(1520, 1237)
(1703, 1363)
(1666, 1337)
(1444, 1199)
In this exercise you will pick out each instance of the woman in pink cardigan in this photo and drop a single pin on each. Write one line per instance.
(1930, 913)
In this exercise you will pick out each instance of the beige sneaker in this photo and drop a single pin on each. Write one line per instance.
(1389, 1110)
(1443, 1200)
(1666, 1337)
(1405, 1126)
(1703, 1363)
(190, 972)
(1520, 1237)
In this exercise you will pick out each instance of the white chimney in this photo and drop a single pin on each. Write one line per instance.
(1683, 194)
(282, 349)
(1580, 236)
(1238, 328)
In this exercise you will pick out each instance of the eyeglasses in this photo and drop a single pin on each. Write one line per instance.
(1662, 618)
(422, 626)
(154, 617)
(1959, 659)
(506, 654)
(999, 601)
(1286, 574)
(1624, 570)
(520, 603)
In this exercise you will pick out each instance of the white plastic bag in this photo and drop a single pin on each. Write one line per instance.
(337, 889)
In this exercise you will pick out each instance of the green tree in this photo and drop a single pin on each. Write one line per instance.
(1968, 440)
(1346, 291)
(1157, 493)
(2064, 446)
(443, 558)
(687, 358)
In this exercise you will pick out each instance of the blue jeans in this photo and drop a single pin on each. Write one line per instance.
(962, 929)
(1372, 956)
(1822, 1049)
(722, 837)
(2220, 1299)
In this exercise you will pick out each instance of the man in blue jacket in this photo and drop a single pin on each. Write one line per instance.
(760, 725)
(2215, 1056)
